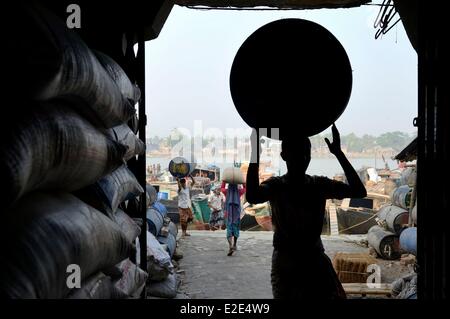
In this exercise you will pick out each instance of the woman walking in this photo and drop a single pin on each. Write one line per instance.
(233, 213)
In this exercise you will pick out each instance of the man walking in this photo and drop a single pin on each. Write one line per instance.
(184, 204)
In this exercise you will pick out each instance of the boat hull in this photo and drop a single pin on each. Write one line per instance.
(354, 221)
(265, 222)
(249, 222)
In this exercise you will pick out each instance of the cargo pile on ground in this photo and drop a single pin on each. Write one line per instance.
(395, 235)
(161, 248)
(64, 160)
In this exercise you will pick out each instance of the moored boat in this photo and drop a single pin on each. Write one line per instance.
(262, 215)
(356, 216)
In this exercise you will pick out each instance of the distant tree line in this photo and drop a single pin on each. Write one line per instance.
(353, 143)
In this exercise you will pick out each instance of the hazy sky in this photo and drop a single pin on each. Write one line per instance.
(188, 67)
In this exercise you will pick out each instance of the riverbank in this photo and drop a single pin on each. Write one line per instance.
(319, 166)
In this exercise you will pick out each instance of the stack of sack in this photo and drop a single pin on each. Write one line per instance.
(406, 287)
(63, 159)
(162, 280)
(161, 226)
(161, 246)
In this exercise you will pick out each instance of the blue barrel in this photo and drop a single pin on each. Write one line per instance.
(173, 229)
(155, 221)
(408, 240)
(160, 208)
(163, 195)
(170, 241)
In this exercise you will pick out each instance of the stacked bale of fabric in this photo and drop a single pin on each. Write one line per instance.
(51, 61)
(162, 279)
(106, 195)
(161, 246)
(48, 232)
(64, 159)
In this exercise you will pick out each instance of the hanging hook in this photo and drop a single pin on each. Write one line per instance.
(384, 18)
(378, 19)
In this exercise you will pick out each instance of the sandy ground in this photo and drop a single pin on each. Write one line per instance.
(205, 271)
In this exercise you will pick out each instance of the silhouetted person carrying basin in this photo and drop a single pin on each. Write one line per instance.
(295, 76)
(300, 268)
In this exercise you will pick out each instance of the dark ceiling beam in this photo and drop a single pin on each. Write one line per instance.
(409, 12)
(280, 4)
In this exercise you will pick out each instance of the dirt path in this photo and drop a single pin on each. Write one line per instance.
(210, 273)
(207, 271)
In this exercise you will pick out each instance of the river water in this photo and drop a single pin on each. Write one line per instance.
(318, 166)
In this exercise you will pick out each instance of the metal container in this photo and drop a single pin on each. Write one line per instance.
(180, 167)
(396, 218)
(173, 229)
(163, 195)
(384, 242)
(291, 74)
(402, 196)
(408, 240)
(160, 208)
(408, 176)
(170, 241)
(155, 221)
(172, 209)
(200, 208)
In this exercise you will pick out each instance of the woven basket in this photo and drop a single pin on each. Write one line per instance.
(351, 267)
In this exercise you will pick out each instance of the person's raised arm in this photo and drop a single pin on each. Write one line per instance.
(242, 190)
(223, 188)
(255, 193)
(179, 184)
(357, 188)
(193, 180)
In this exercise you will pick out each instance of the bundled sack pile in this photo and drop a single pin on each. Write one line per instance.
(161, 241)
(64, 158)
(162, 281)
